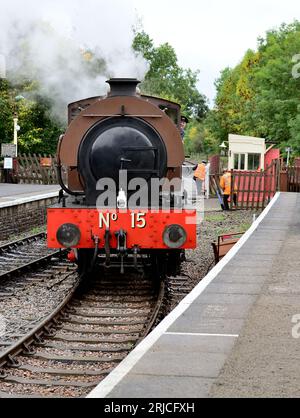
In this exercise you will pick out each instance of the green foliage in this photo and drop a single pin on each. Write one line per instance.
(294, 142)
(215, 218)
(6, 113)
(167, 79)
(260, 97)
(199, 140)
(39, 133)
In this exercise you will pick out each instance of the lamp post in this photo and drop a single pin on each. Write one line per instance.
(17, 128)
(223, 147)
(288, 150)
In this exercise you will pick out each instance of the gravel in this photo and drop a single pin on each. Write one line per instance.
(30, 302)
(23, 254)
(18, 237)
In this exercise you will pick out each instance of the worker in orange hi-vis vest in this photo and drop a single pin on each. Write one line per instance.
(199, 176)
(225, 184)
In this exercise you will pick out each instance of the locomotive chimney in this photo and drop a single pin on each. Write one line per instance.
(123, 86)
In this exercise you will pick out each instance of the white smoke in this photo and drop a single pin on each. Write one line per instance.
(69, 46)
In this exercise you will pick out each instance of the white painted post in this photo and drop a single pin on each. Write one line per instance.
(16, 129)
(207, 182)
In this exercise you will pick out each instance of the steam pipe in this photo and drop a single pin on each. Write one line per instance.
(96, 240)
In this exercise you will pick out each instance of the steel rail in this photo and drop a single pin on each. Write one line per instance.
(156, 311)
(28, 266)
(47, 330)
(12, 246)
(19, 243)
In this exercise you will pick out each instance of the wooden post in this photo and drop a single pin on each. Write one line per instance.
(259, 189)
(284, 181)
(243, 176)
(278, 169)
(264, 190)
(238, 189)
(232, 189)
(255, 190)
(249, 191)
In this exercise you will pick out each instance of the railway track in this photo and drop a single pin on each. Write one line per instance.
(27, 299)
(85, 337)
(17, 258)
(28, 271)
(79, 344)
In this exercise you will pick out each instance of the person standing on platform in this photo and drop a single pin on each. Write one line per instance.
(199, 176)
(225, 184)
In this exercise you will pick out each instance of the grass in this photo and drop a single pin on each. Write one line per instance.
(215, 218)
(37, 230)
(244, 227)
(230, 229)
(16, 237)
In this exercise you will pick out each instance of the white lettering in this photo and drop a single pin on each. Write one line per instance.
(104, 220)
(138, 220)
(118, 409)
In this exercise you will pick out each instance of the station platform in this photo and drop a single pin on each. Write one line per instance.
(23, 208)
(237, 334)
(19, 194)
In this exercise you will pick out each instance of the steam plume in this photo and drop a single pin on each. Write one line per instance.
(69, 47)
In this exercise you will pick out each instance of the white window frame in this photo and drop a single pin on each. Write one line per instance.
(260, 160)
(240, 161)
(246, 166)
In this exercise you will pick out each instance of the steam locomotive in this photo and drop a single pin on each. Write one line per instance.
(116, 162)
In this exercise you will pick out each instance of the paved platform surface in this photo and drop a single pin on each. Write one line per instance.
(233, 336)
(15, 194)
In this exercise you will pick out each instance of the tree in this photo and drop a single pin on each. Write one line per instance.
(294, 142)
(198, 140)
(167, 79)
(260, 97)
(39, 133)
(6, 113)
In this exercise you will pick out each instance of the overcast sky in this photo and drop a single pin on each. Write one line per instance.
(210, 35)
